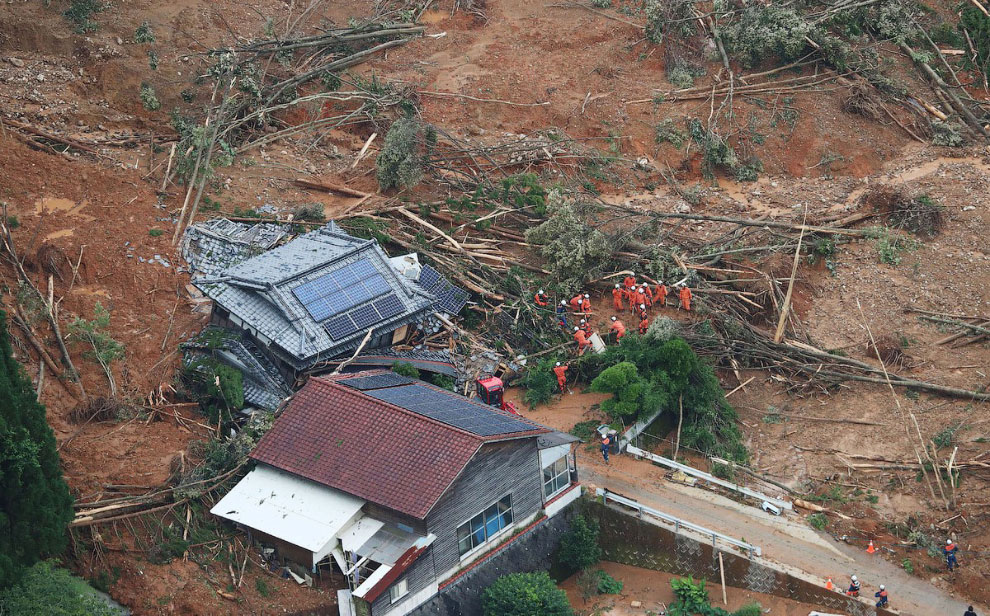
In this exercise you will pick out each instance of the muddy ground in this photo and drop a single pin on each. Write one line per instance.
(100, 214)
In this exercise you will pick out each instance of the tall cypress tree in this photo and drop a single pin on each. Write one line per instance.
(35, 504)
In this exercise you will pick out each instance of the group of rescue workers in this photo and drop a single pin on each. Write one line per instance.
(638, 297)
(949, 551)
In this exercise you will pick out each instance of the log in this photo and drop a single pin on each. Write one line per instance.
(46, 135)
(975, 328)
(803, 504)
(328, 187)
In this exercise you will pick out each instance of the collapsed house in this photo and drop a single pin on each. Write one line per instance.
(398, 484)
(298, 306)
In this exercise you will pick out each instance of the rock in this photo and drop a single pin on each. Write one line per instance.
(683, 208)
(40, 77)
(636, 604)
(969, 208)
(16, 62)
(120, 41)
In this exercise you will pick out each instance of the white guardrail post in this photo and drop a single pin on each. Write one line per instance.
(677, 522)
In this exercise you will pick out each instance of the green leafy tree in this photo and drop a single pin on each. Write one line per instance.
(633, 395)
(101, 347)
(400, 163)
(217, 387)
(51, 591)
(405, 369)
(579, 546)
(540, 382)
(525, 594)
(35, 505)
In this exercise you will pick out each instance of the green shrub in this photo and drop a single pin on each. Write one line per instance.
(946, 133)
(608, 585)
(540, 382)
(945, 436)
(632, 396)
(889, 245)
(149, 99)
(907, 565)
(171, 546)
(763, 32)
(586, 430)
(525, 594)
(668, 133)
(261, 585)
(818, 520)
(49, 590)
(400, 162)
(722, 471)
(690, 597)
(579, 547)
(12, 221)
(750, 609)
(443, 381)
(602, 4)
(405, 369)
(144, 34)
(155, 232)
(574, 250)
(80, 11)
(217, 387)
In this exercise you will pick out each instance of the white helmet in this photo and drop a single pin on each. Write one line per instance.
(540, 291)
(948, 542)
(616, 285)
(643, 306)
(615, 318)
(882, 587)
(660, 282)
(575, 328)
(563, 302)
(583, 321)
(854, 578)
(558, 363)
(586, 295)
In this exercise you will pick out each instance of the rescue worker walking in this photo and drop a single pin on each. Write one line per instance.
(562, 314)
(853, 587)
(969, 612)
(661, 294)
(640, 296)
(582, 340)
(685, 296)
(605, 445)
(881, 596)
(586, 304)
(617, 298)
(576, 303)
(541, 299)
(644, 324)
(560, 371)
(643, 314)
(648, 292)
(950, 554)
(629, 282)
(583, 326)
(618, 327)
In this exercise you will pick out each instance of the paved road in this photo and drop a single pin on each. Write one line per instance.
(786, 540)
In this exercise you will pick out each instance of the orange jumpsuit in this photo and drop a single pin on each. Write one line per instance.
(617, 299)
(644, 325)
(586, 305)
(640, 298)
(661, 294)
(582, 340)
(561, 378)
(629, 282)
(619, 328)
(685, 295)
(541, 300)
(648, 297)
(576, 302)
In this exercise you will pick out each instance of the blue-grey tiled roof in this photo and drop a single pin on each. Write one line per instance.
(258, 292)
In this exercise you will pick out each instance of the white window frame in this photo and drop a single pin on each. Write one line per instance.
(398, 591)
(562, 478)
(488, 537)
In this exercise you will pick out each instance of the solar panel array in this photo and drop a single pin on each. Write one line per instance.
(341, 290)
(450, 299)
(451, 409)
(377, 381)
(363, 317)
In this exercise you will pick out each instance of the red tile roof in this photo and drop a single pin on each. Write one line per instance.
(340, 437)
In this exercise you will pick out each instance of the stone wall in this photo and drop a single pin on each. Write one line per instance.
(630, 540)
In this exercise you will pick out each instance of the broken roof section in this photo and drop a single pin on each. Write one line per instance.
(338, 431)
(214, 245)
(316, 296)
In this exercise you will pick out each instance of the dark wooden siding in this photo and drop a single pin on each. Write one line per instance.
(510, 467)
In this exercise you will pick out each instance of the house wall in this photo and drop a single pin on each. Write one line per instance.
(510, 467)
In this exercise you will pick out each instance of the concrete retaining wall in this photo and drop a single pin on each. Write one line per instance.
(642, 543)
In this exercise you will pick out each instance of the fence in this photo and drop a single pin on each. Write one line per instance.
(678, 523)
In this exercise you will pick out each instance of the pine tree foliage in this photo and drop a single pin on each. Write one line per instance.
(35, 505)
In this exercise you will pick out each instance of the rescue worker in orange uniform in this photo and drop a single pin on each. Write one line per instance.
(585, 327)
(617, 298)
(661, 294)
(575, 303)
(586, 304)
(629, 282)
(643, 314)
(881, 596)
(560, 371)
(644, 325)
(639, 295)
(618, 327)
(647, 295)
(582, 340)
(950, 550)
(541, 299)
(685, 296)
